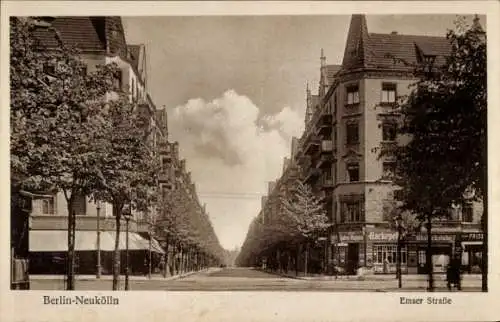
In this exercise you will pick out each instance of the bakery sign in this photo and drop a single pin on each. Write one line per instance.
(383, 236)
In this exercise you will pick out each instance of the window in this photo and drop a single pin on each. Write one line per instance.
(352, 133)
(467, 212)
(353, 172)
(132, 88)
(389, 252)
(80, 205)
(388, 169)
(389, 131)
(48, 206)
(352, 92)
(352, 211)
(388, 95)
(118, 80)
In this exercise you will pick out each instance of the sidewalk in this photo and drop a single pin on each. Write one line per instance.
(158, 277)
(371, 277)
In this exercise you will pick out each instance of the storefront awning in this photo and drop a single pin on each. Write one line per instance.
(57, 241)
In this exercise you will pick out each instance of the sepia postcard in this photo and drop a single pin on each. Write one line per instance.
(249, 161)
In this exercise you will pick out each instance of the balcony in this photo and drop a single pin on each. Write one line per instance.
(326, 146)
(165, 149)
(327, 182)
(312, 175)
(324, 160)
(312, 145)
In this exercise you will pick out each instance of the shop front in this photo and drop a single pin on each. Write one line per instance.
(472, 245)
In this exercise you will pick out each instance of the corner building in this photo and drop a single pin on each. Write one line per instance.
(345, 122)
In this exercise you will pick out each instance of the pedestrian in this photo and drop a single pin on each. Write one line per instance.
(453, 273)
(386, 264)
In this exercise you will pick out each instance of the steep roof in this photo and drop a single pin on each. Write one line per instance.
(404, 47)
(85, 33)
(374, 50)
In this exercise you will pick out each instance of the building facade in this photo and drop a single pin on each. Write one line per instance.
(100, 40)
(348, 119)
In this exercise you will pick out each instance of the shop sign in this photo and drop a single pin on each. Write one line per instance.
(351, 236)
(383, 236)
(436, 237)
(472, 236)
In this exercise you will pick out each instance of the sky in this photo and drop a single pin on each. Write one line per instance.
(235, 88)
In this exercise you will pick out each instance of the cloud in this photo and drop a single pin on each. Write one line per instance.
(232, 151)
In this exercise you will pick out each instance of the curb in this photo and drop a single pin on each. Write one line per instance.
(110, 278)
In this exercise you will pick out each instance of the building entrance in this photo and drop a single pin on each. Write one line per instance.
(352, 258)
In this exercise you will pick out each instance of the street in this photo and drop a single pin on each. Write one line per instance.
(248, 279)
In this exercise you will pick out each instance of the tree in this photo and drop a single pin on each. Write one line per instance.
(129, 168)
(306, 214)
(56, 119)
(444, 118)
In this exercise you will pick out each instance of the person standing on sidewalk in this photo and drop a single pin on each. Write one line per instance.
(453, 274)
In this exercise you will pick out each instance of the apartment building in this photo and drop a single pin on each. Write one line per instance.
(100, 40)
(345, 121)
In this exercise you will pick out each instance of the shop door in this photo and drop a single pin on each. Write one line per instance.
(352, 258)
(421, 262)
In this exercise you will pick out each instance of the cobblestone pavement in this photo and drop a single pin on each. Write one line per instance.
(245, 279)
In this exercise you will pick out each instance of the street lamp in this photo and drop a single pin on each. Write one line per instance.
(98, 248)
(127, 214)
(399, 224)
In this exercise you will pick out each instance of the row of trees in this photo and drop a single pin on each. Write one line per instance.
(286, 235)
(188, 233)
(77, 132)
(444, 117)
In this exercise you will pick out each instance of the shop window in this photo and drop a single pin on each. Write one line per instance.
(381, 253)
(352, 133)
(352, 93)
(388, 94)
(389, 131)
(467, 212)
(48, 206)
(353, 172)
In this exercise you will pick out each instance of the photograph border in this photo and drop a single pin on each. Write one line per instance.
(258, 305)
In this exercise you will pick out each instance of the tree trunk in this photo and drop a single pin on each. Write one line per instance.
(297, 259)
(116, 259)
(174, 253)
(430, 267)
(306, 259)
(166, 257)
(70, 265)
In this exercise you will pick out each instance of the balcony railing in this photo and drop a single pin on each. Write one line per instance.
(327, 181)
(312, 175)
(165, 149)
(326, 146)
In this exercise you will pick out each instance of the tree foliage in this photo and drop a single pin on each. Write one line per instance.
(444, 118)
